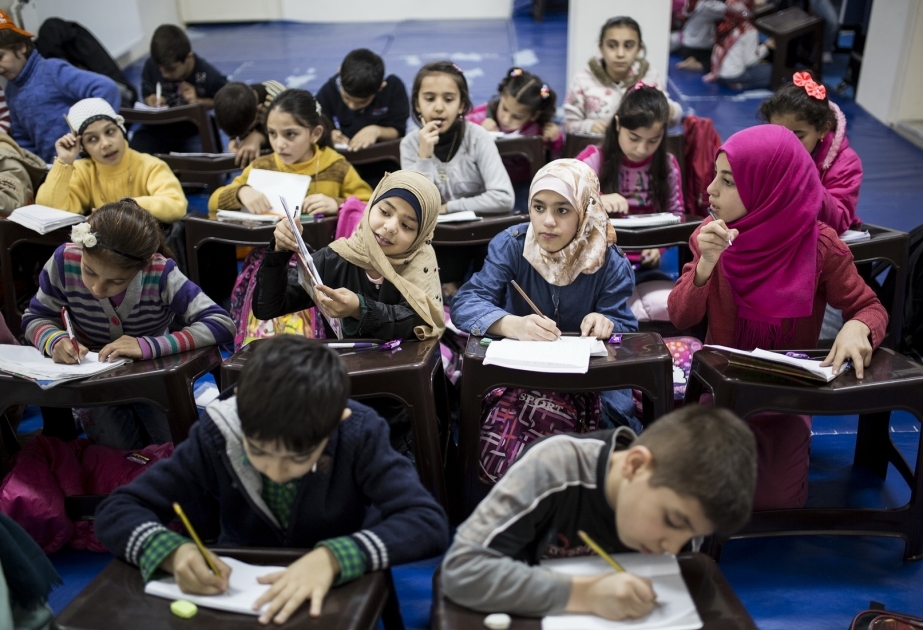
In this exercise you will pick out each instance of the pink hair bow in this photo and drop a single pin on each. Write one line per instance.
(639, 85)
(813, 89)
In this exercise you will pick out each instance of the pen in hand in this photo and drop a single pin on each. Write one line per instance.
(69, 327)
(714, 217)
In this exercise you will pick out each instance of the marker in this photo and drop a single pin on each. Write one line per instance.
(69, 327)
(159, 90)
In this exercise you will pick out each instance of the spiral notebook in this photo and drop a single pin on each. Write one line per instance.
(645, 220)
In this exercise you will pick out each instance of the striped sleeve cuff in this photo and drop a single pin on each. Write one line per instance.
(350, 557)
(374, 549)
(48, 338)
(155, 550)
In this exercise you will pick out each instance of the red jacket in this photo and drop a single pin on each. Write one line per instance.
(840, 171)
(838, 283)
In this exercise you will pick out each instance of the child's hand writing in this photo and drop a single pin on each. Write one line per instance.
(365, 137)
(852, 342)
(124, 346)
(320, 204)
(596, 325)
(551, 131)
(309, 577)
(253, 200)
(429, 136)
(338, 302)
(612, 596)
(650, 258)
(490, 124)
(599, 126)
(285, 239)
(614, 203)
(192, 573)
(68, 148)
(63, 351)
(338, 137)
(535, 328)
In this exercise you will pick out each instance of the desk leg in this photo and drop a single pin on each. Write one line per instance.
(9, 288)
(897, 304)
(914, 547)
(391, 615)
(873, 443)
(181, 407)
(426, 444)
(192, 254)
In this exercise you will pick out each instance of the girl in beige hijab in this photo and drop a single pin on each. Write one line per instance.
(382, 281)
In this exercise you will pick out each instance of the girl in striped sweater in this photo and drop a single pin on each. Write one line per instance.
(122, 291)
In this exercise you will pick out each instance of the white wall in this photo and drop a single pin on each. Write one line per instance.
(343, 11)
(891, 82)
(586, 17)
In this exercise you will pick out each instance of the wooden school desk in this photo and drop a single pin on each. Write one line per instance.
(115, 599)
(718, 605)
(11, 235)
(196, 114)
(201, 229)
(412, 374)
(475, 232)
(675, 235)
(891, 382)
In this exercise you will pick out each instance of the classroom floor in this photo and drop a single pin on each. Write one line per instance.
(798, 582)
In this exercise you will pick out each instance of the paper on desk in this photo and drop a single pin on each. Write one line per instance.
(456, 217)
(340, 146)
(675, 609)
(243, 590)
(203, 155)
(273, 184)
(29, 362)
(237, 215)
(144, 107)
(566, 355)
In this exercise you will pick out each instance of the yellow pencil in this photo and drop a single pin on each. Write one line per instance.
(195, 538)
(599, 550)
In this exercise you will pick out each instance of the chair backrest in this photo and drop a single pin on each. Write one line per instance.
(574, 143)
(209, 172)
(196, 114)
(530, 148)
(387, 151)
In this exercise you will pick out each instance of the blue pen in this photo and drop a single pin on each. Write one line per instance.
(358, 345)
(336, 122)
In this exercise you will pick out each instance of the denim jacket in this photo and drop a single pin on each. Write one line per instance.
(488, 296)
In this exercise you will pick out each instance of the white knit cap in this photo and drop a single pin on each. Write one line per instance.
(89, 110)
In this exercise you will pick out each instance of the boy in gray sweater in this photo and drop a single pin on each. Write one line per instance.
(692, 473)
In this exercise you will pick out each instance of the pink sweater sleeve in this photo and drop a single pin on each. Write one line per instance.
(592, 157)
(687, 303)
(478, 114)
(841, 191)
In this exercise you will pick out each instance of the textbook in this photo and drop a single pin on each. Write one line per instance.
(458, 217)
(29, 363)
(43, 219)
(274, 184)
(237, 215)
(308, 275)
(645, 220)
(779, 364)
(566, 355)
(243, 589)
(675, 609)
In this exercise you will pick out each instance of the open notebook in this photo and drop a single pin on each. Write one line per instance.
(645, 220)
(27, 362)
(675, 609)
(43, 219)
(275, 185)
(779, 364)
(243, 590)
(567, 355)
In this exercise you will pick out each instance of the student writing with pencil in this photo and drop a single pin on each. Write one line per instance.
(566, 262)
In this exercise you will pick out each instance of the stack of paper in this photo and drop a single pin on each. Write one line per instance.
(214, 156)
(567, 355)
(43, 219)
(645, 220)
(236, 215)
(28, 362)
(456, 217)
(855, 236)
(675, 609)
(275, 185)
(243, 589)
(780, 364)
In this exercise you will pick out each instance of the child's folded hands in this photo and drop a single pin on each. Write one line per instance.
(310, 577)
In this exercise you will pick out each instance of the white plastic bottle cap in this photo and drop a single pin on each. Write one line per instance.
(498, 621)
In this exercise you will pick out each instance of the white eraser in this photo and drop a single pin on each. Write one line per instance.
(498, 621)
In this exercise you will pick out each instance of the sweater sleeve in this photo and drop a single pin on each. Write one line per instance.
(15, 186)
(275, 294)
(353, 185)
(206, 323)
(841, 192)
(477, 305)
(616, 290)
(80, 84)
(846, 290)
(165, 199)
(575, 115)
(497, 197)
(388, 321)
(41, 320)
(225, 198)
(687, 303)
(18, 130)
(67, 187)
(674, 188)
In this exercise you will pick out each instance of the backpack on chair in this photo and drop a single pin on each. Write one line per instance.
(700, 144)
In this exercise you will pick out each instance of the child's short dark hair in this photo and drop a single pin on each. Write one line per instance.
(441, 67)
(235, 109)
(361, 73)
(306, 111)
(11, 40)
(622, 20)
(707, 453)
(528, 89)
(169, 45)
(642, 106)
(292, 392)
(794, 100)
(127, 235)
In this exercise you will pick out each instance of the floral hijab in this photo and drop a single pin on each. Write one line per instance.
(586, 253)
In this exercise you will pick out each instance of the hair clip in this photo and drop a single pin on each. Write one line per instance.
(545, 92)
(516, 72)
(639, 85)
(457, 67)
(82, 236)
(813, 89)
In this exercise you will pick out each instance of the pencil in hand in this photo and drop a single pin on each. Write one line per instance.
(599, 551)
(196, 539)
(526, 298)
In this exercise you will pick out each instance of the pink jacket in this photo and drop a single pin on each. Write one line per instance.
(635, 186)
(840, 171)
(480, 113)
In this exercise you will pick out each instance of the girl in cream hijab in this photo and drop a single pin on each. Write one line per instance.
(382, 281)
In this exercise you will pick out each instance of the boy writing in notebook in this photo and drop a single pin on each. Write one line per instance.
(288, 461)
(691, 473)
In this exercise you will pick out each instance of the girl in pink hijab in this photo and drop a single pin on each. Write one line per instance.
(763, 273)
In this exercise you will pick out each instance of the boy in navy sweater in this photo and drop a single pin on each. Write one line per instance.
(287, 462)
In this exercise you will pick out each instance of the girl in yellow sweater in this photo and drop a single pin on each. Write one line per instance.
(301, 144)
(112, 170)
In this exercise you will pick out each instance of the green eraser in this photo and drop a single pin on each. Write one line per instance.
(184, 608)
(485, 341)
